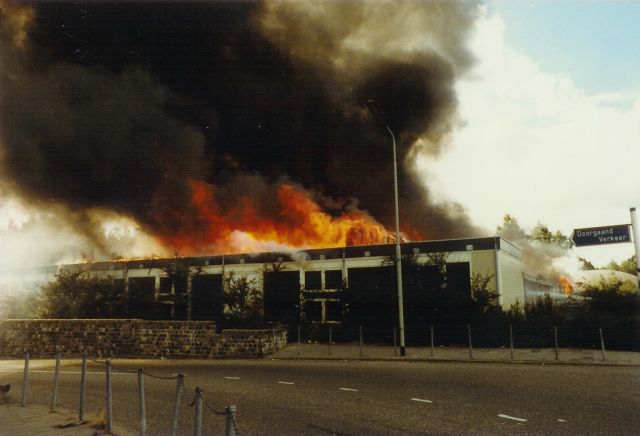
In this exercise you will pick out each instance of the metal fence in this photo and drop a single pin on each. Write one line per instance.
(510, 337)
(199, 403)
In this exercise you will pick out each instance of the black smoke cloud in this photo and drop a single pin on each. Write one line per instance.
(106, 105)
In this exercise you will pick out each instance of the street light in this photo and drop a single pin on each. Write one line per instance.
(373, 108)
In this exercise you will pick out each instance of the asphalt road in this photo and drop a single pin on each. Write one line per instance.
(329, 397)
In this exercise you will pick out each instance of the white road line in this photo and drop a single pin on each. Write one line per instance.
(349, 389)
(420, 400)
(286, 383)
(232, 378)
(561, 420)
(512, 417)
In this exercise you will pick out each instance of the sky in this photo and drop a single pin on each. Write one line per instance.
(550, 119)
(530, 108)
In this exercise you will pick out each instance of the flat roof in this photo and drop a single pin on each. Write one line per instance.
(356, 251)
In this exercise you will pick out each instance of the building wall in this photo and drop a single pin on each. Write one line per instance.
(512, 282)
(487, 256)
(484, 262)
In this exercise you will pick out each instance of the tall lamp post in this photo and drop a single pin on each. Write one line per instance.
(373, 108)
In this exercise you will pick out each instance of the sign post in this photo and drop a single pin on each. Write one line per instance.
(636, 239)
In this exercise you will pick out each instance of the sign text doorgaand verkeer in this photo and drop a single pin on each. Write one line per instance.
(601, 235)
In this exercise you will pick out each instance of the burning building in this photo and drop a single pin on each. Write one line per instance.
(310, 285)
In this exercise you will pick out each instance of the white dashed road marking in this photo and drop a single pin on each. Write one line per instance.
(286, 383)
(512, 417)
(561, 420)
(349, 389)
(232, 378)
(420, 400)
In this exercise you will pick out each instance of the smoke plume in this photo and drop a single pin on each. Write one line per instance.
(126, 107)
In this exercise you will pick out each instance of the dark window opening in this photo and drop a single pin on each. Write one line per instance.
(282, 296)
(333, 279)
(206, 297)
(313, 310)
(312, 280)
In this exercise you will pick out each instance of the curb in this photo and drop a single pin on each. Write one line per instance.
(472, 361)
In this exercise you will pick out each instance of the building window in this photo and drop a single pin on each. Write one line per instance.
(313, 311)
(312, 280)
(333, 279)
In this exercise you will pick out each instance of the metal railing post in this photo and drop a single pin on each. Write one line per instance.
(197, 424)
(360, 342)
(83, 385)
(511, 340)
(330, 338)
(555, 340)
(56, 380)
(176, 405)
(109, 396)
(432, 344)
(469, 336)
(141, 403)
(25, 380)
(230, 421)
(395, 345)
(604, 356)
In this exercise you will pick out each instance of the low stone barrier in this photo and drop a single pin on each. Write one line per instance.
(136, 338)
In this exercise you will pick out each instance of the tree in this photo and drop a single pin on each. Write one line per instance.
(179, 271)
(19, 306)
(542, 233)
(628, 265)
(612, 299)
(484, 299)
(81, 295)
(585, 264)
(242, 298)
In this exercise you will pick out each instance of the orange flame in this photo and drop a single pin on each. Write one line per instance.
(297, 223)
(567, 286)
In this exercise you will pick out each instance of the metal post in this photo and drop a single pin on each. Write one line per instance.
(176, 405)
(511, 340)
(395, 345)
(25, 380)
(197, 424)
(83, 385)
(109, 397)
(330, 340)
(469, 336)
(299, 347)
(432, 344)
(56, 380)
(141, 403)
(604, 356)
(373, 107)
(189, 294)
(230, 421)
(555, 340)
(361, 351)
(635, 228)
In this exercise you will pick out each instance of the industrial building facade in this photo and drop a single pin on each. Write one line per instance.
(310, 285)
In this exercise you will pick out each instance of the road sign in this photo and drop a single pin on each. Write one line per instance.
(601, 235)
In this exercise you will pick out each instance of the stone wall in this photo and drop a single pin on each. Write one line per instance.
(135, 338)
